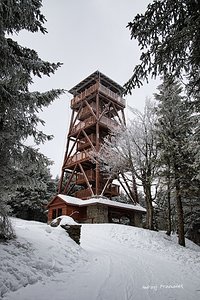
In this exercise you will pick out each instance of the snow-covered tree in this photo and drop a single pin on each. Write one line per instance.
(114, 158)
(19, 106)
(29, 201)
(144, 153)
(168, 34)
(175, 127)
(130, 156)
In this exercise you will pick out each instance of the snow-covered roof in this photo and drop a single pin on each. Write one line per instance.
(104, 201)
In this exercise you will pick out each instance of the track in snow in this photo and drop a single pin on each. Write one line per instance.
(134, 273)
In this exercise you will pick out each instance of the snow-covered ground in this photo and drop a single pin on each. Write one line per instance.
(113, 262)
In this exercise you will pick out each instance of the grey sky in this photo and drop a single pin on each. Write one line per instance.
(85, 35)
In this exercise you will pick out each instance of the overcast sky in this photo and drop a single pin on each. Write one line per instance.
(85, 35)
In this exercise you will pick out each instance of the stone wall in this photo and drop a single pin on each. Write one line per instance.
(137, 219)
(98, 212)
(74, 232)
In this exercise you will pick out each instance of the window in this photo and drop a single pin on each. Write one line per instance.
(59, 212)
(54, 214)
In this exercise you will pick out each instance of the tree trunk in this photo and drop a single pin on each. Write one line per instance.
(169, 208)
(179, 207)
(135, 193)
(151, 216)
(150, 211)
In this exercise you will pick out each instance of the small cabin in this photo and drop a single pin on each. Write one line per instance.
(95, 210)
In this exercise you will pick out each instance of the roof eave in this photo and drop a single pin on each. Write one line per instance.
(95, 76)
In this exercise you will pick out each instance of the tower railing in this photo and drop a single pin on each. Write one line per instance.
(111, 94)
(90, 176)
(82, 125)
(97, 87)
(77, 158)
(84, 94)
(84, 142)
(86, 193)
(110, 123)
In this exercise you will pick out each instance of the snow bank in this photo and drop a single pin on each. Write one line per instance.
(158, 243)
(38, 253)
(114, 262)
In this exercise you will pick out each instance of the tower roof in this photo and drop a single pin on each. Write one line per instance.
(91, 79)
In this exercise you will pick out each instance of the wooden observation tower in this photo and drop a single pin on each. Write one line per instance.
(97, 108)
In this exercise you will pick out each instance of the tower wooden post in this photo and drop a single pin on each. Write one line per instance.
(97, 108)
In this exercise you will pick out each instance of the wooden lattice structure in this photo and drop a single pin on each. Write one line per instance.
(97, 108)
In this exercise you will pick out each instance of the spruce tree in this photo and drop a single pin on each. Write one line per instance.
(174, 131)
(168, 34)
(29, 201)
(19, 106)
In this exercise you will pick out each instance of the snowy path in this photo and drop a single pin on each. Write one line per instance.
(121, 263)
(137, 273)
